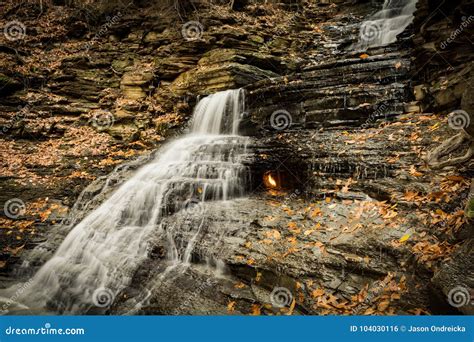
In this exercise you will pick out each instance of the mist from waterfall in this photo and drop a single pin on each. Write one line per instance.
(384, 26)
(102, 252)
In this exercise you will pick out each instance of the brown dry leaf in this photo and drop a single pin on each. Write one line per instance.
(316, 212)
(15, 251)
(394, 296)
(231, 306)
(292, 307)
(364, 56)
(239, 285)
(255, 310)
(346, 186)
(414, 172)
(276, 234)
(290, 251)
(369, 311)
(293, 228)
(382, 306)
(317, 293)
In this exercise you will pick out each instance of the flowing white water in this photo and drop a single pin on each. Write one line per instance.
(104, 250)
(385, 25)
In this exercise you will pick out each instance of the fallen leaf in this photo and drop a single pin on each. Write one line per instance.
(255, 310)
(404, 237)
(231, 306)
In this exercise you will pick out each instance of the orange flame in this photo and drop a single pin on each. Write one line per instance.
(269, 181)
(272, 181)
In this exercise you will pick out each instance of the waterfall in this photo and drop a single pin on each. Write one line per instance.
(104, 250)
(384, 26)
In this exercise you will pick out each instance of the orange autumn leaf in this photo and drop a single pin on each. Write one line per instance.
(231, 306)
(317, 293)
(255, 310)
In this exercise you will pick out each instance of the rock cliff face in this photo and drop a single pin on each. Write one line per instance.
(358, 223)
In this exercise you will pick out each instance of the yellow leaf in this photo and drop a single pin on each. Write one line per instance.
(404, 237)
(231, 307)
(255, 310)
(316, 212)
(317, 293)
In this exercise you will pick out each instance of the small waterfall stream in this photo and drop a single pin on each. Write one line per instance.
(104, 250)
(385, 25)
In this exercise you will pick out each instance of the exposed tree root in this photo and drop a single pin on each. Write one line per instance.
(434, 157)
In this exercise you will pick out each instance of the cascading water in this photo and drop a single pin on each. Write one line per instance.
(104, 250)
(385, 25)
